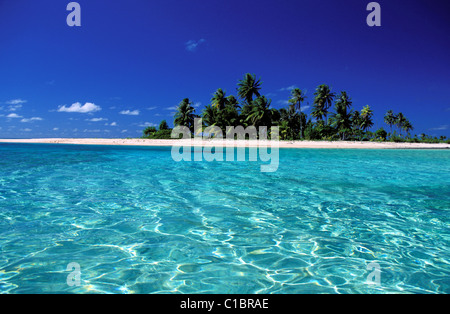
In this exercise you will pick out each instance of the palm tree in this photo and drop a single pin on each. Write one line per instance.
(284, 129)
(163, 125)
(249, 87)
(318, 112)
(219, 100)
(185, 114)
(341, 120)
(297, 97)
(407, 126)
(390, 118)
(322, 102)
(210, 116)
(244, 113)
(303, 118)
(229, 116)
(366, 118)
(291, 120)
(232, 101)
(343, 102)
(356, 122)
(400, 121)
(261, 112)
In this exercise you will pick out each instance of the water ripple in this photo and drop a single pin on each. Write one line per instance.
(136, 222)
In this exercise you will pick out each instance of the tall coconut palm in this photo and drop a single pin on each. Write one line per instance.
(341, 120)
(389, 118)
(343, 102)
(229, 116)
(261, 112)
(210, 116)
(366, 118)
(219, 100)
(232, 101)
(291, 119)
(297, 97)
(244, 114)
(356, 121)
(407, 126)
(249, 87)
(318, 112)
(400, 121)
(322, 102)
(185, 114)
(284, 129)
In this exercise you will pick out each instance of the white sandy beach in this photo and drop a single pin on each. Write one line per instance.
(231, 143)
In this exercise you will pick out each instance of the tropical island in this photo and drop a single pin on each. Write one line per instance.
(332, 117)
(332, 123)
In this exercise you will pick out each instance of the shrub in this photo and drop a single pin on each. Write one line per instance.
(160, 135)
(381, 134)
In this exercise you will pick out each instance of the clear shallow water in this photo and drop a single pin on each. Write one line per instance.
(137, 222)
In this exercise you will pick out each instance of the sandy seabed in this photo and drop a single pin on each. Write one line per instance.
(231, 143)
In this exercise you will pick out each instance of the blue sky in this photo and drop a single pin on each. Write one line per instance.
(131, 62)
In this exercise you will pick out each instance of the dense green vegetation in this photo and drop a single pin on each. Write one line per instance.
(332, 116)
(163, 132)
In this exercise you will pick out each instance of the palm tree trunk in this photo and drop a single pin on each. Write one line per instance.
(301, 129)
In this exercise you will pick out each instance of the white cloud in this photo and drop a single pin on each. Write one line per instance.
(146, 124)
(130, 113)
(31, 119)
(26, 130)
(124, 131)
(283, 102)
(289, 88)
(15, 102)
(304, 108)
(151, 108)
(192, 45)
(441, 128)
(78, 108)
(113, 124)
(14, 107)
(287, 103)
(13, 115)
(96, 119)
(172, 108)
(55, 129)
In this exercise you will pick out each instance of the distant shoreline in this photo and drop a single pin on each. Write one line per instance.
(230, 143)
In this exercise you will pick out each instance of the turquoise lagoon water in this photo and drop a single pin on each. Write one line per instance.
(137, 222)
